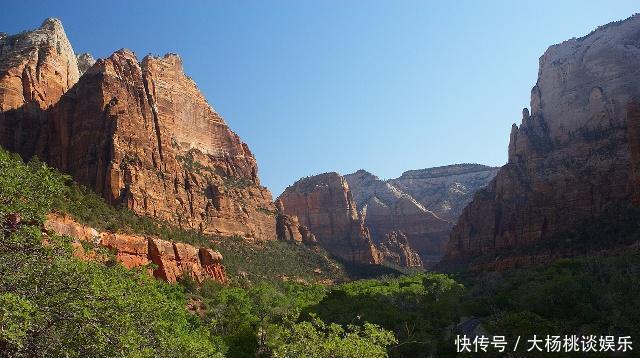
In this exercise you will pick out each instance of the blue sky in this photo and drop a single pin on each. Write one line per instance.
(317, 86)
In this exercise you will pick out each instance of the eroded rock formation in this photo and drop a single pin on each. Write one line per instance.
(138, 133)
(576, 152)
(386, 209)
(445, 190)
(288, 227)
(395, 249)
(324, 204)
(36, 67)
(172, 259)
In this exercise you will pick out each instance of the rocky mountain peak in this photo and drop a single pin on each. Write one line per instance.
(85, 61)
(155, 144)
(52, 23)
(36, 67)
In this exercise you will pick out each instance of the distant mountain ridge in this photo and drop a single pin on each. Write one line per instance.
(362, 218)
(445, 190)
(423, 204)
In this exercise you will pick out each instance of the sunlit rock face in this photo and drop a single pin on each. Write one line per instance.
(172, 260)
(574, 153)
(445, 190)
(325, 205)
(36, 68)
(139, 133)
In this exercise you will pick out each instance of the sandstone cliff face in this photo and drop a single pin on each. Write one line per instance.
(386, 209)
(324, 204)
(445, 190)
(395, 249)
(36, 69)
(139, 133)
(574, 153)
(288, 227)
(142, 134)
(173, 260)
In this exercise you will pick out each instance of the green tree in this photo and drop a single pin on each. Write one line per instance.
(54, 305)
(315, 339)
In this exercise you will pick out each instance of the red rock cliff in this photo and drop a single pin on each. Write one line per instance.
(324, 204)
(172, 259)
(395, 249)
(36, 68)
(139, 133)
(573, 154)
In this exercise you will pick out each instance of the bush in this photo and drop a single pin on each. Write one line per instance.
(315, 339)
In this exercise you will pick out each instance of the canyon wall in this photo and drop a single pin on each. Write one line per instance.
(574, 153)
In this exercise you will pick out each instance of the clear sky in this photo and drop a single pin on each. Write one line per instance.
(317, 86)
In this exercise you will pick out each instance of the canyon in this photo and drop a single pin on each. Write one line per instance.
(142, 135)
(387, 211)
(379, 219)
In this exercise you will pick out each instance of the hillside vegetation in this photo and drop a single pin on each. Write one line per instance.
(53, 305)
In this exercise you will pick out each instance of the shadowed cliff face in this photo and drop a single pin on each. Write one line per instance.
(395, 249)
(139, 133)
(324, 204)
(573, 154)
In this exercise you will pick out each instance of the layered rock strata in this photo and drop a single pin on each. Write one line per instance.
(445, 190)
(172, 260)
